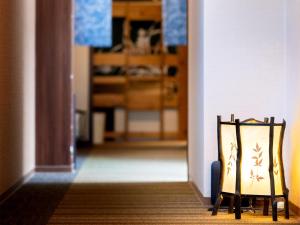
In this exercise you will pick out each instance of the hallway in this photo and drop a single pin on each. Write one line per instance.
(75, 198)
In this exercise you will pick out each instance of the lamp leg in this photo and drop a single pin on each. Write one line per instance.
(231, 204)
(237, 207)
(217, 205)
(274, 210)
(286, 206)
(266, 207)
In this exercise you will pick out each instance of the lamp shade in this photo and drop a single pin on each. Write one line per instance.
(228, 157)
(256, 161)
(250, 153)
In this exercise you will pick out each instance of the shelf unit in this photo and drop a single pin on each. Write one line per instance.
(138, 93)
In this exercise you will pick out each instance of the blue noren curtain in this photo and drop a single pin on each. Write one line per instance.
(93, 23)
(175, 22)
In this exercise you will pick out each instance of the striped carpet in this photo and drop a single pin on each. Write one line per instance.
(152, 203)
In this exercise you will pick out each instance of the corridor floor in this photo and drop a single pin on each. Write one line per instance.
(147, 203)
(86, 197)
(134, 165)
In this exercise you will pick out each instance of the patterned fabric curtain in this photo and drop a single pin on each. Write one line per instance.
(174, 22)
(93, 23)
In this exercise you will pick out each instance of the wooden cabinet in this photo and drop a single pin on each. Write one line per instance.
(138, 91)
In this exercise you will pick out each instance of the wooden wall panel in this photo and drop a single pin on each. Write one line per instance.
(53, 84)
(183, 94)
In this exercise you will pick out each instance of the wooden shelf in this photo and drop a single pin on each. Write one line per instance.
(145, 78)
(137, 10)
(108, 100)
(138, 92)
(113, 59)
(144, 11)
(119, 59)
(144, 60)
(119, 9)
(109, 80)
(170, 79)
(171, 60)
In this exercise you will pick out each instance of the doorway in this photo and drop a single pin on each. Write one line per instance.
(143, 113)
(136, 89)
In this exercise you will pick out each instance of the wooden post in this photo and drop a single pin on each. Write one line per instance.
(238, 172)
(272, 183)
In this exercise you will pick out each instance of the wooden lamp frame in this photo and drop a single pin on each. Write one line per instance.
(235, 198)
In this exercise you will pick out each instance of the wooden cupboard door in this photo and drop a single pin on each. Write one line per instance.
(183, 93)
(53, 84)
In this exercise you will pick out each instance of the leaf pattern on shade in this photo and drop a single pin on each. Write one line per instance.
(232, 157)
(275, 166)
(258, 178)
(258, 160)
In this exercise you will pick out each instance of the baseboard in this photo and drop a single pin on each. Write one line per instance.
(61, 168)
(15, 187)
(204, 200)
(294, 208)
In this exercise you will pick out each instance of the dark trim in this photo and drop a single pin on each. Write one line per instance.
(285, 189)
(251, 196)
(252, 119)
(271, 171)
(54, 168)
(253, 124)
(10, 191)
(280, 159)
(220, 153)
(219, 137)
(238, 172)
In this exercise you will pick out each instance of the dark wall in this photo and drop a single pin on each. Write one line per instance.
(53, 84)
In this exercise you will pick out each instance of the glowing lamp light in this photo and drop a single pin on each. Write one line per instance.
(250, 154)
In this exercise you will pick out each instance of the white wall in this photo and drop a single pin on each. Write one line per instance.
(292, 158)
(196, 93)
(17, 90)
(27, 31)
(81, 70)
(243, 71)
